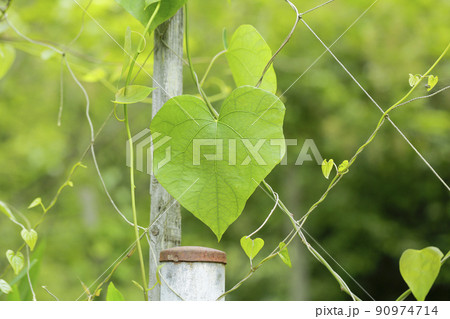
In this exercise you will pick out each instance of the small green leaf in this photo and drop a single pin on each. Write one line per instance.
(327, 167)
(113, 293)
(284, 254)
(7, 56)
(69, 183)
(343, 167)
(248, 55)
(413, 79)
(30, 237)
(35, 202)
(5, 210)
(134, 94)
(251, 247)
(15, 260)
(420, 268)
(432, 81)
(5, 287)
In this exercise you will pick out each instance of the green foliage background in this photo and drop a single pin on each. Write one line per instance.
(389, 202)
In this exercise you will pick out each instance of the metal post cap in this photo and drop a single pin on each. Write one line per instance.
(193, 254)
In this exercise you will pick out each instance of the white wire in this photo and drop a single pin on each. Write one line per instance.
(374, 102)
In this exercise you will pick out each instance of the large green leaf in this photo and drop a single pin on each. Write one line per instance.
(247, 57)
(142, 10)
(214, 186)
(7, 55)
(420, 268)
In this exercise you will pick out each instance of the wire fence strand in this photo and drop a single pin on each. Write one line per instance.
(378, 106)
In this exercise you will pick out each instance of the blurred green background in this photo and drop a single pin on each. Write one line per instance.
(390, 201)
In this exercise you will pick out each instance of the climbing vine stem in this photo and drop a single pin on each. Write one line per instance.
(210, 66)
(191, 68)
(131, 151)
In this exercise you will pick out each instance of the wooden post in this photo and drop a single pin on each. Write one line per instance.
(168, 81)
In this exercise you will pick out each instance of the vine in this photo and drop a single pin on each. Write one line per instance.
(261, 118)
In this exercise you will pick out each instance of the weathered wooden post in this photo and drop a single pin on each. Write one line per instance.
(192, 273)
(168, 81)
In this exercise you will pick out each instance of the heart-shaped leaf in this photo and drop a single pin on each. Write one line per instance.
(142, 10)
(113, 293)
(15, 260)
(413, 79)
(284, 254)
(251, 247)
(133, 94)
(30, 237)
(5, 287)
(216, 165)
(248, 55)
(432, 81)
(420, 268)
(7, 56)
(327, 167)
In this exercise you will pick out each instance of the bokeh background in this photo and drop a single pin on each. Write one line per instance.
(390, 201)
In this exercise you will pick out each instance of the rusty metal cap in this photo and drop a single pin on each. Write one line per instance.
(193, 254)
